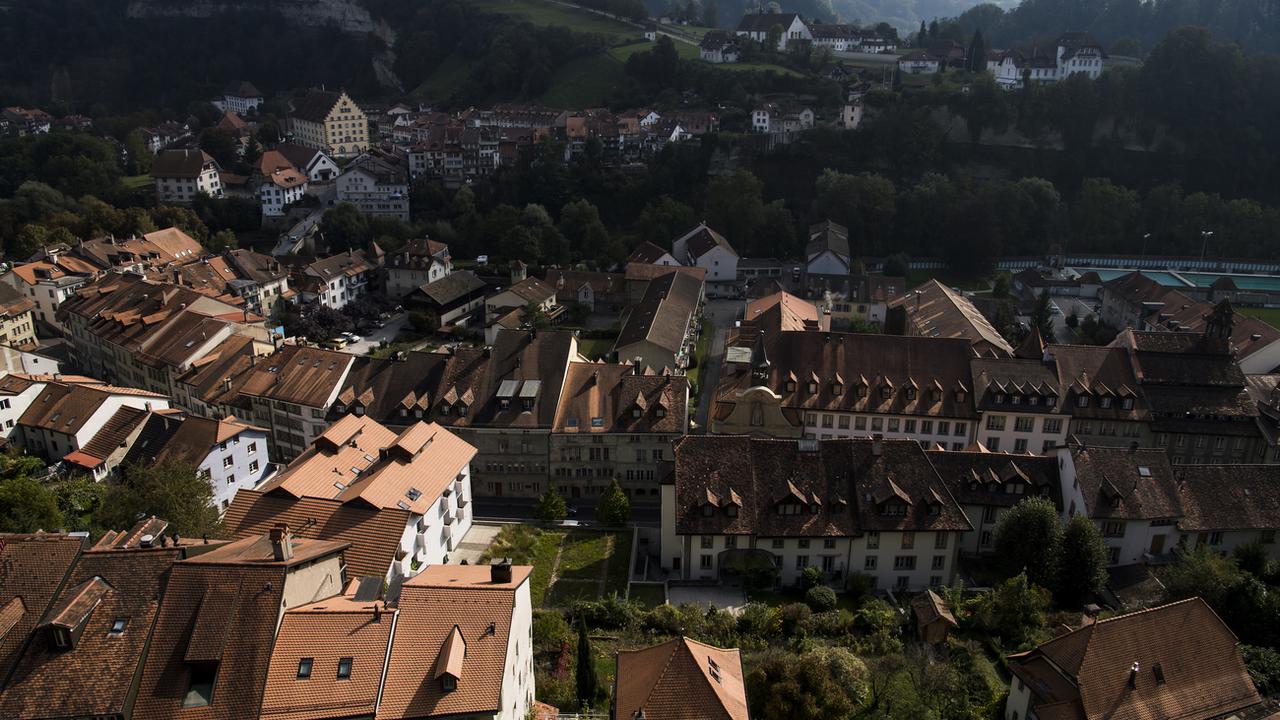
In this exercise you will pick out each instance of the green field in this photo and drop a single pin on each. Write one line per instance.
(586, 558)
(595, 348)
(1270, 316)
(135, 181)
(758, 67)
(548, 15)
(622, 52)
(583, 83)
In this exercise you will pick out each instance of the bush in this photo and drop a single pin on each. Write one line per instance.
(859, 586)
(810, 577)
(1264, 668)
(1252, 558)
(831, 623)
(614, 508)
(551, 509)
(759, 620)
(613, 612)
(795, 619)
(555, 690)
(549, 629)
(820, 599)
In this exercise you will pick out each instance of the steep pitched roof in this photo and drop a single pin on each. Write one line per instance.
(432, 604)
(936, 310)
(452, 287)
(315, 106)
(702, 240)
(681, 679)
(33, 570)
(1228, 497)
(602, 397)
(664, 315)
(1126, 484)
(326, 632)
(647, 253)
(826, 236)
(1132, 667)
(180, 163)
(373, 534)
(92, 678)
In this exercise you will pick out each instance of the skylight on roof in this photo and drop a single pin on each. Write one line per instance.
(414, 493)
(402, 505)
(355, 470)
(1144, 471)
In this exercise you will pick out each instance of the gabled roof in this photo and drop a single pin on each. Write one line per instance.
(935, 310)
(180, 163)
(826, 236)
(681, 679)
(702, 240)
(242, 89)
(783, 311)
(664, 315)
(1228, 497)
(433, 604)
(92, 678)
(315, 106)
(453, 287)
(930, 608)
(601, 397)
(303, 375)
(1126, 484)
(326, 632)
(647, 252)
(372, 534)
(37, 568)
(1133, 667)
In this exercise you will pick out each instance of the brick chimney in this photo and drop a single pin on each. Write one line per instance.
(281, 542)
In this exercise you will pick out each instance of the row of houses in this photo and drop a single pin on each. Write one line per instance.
(1070, 54)
(790, 31)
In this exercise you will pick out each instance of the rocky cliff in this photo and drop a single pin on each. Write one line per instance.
(349, 15)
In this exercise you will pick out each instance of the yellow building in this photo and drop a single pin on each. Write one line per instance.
(16, 324)
(330, 121)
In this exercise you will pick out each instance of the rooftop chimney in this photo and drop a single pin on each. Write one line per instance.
(500, 571)
(281, 542)
(1133, 676)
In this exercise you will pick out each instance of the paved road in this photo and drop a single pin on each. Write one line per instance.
(722, 314)
(375, 338)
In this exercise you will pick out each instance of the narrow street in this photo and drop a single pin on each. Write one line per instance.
(722, 314)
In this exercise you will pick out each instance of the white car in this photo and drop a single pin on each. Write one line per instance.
(351, 337)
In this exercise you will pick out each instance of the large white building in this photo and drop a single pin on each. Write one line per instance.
(181, 175)
(1071, 54)
(789, 27)
(419, 262)
(377, 182)
(229, 454)
(705, 248)
(872, 507)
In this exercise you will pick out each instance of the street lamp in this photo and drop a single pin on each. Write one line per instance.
(1145, 238)
(1204, 236)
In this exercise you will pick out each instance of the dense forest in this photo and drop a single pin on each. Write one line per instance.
(1127, 27)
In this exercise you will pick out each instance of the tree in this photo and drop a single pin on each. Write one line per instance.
(221, 144)
(222, 240)
(735, 207)
(588, 683)
(1014, 610)
(1000, 286)
(344, 227)
(1203, 573)
(1264, 668)
(820, 598)
(26, 505)
(710, 14)
(976, 59)
(816, 685)
(614, 509)
(175, 491)
(1042, 316)
(1082, 569)
(551, 508)
(897, 265)
(1028, 537)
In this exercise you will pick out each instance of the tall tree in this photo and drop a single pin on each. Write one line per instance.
(551, 508)
(1028, 538)
(710, 14)
(26, 506)
(976, 59)
(1082, 564)
(175, 491)
(614, 508)
(588, 682)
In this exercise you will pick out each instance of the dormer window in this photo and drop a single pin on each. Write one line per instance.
(935, 395)
(708, 510)
(340, 407)
(1015, 399)
(660, 411)
(862, 391)
(837, 389)
(448, 683)
(1033, 400)
(893, 509)
(813, 388)
(911, 393)
(61, 638)
(1051, 401)
(731, 511)
(789, 508)
(344, 668)
(504, 404)
(999, 398)
(444, 408)
(635, 412)
(1105, 402)
(304, 668)
(1127, 403)
(1082, 401)
(960, 396)
(118, 625)
(935, 510)
(791, 386)
(886, 392)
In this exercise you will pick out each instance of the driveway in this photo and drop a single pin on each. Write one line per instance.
(477, 540)
(375, 338)
(720, 596)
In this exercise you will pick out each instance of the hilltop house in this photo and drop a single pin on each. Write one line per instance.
(790, 28)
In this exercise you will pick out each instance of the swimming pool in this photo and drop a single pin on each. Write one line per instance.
(1107, 274)
(1264, 283)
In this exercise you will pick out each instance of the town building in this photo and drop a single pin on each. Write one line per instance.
(1177, 660)
(289, 393)
(821, 385)
(647, 253)
(1136, 301)
(1101, 392)
(857, 300)
(680, 679)
(873, 507)
(242, 98)
(718, 46)
(281, 183)
(598, 291)
(827, 253)
(341, 279)
(1073, 53)
(1129, 493)
(785, 29)
(229, 454)
(1018, 401)
(707, 249)
(17, 317)
(330, 122)
(987, 484)
(781, 118)
(318, 166)
(616, 422)
(1225, 507)
(934, 619)
(418, 263)
(376, 182)
(48, 283)
(454, 298)
(1264, 391)
(181, 175)
(919, 62)
(38, 565)
(260, 281)
(157, 250)
(662, 329)
(933, 310)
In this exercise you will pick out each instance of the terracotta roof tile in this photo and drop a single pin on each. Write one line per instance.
(1125, 484)
(681, 679)
(33, 568)
(664, 315)
(612, 393)
(935, 310)
(1228, 497)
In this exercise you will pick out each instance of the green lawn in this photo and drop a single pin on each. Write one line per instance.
(650, 595)
(622, 52)
(595, 348)
(135, 181)
(448, 77)
(405, 342)
(584, 82)
(1270, 316)
(584, 556)
(548, 14)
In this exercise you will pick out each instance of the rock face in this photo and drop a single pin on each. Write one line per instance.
(349, 15)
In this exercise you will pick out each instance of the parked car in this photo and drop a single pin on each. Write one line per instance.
(334, 343)
(351, 337)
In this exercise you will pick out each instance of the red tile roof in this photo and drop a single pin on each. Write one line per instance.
(33, 568)
(681, 679)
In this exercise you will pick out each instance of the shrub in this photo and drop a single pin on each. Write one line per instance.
(810, 577)
(795, 619)
(859, 586)
(549, 629)
(820, 599)
(831, 623)
(612, 612)
(759, 620)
